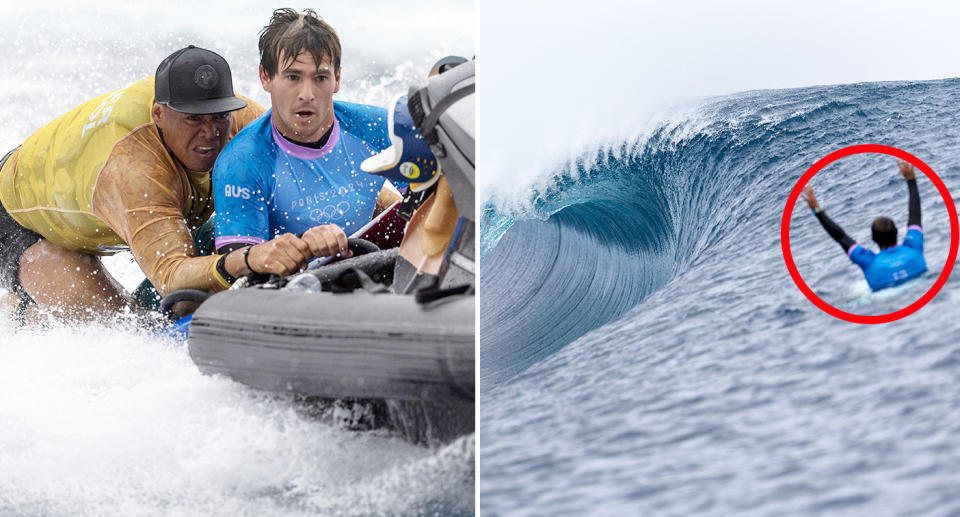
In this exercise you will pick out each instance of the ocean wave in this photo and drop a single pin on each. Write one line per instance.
(587, 242)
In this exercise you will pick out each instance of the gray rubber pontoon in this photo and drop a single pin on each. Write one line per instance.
(357, 344)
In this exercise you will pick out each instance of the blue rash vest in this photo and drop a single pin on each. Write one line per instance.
(892, 266)
(265, 185)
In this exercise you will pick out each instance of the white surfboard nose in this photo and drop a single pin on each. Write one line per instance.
(384, 160)
(389, 157)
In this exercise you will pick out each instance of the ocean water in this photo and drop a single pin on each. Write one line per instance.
(109, 420)
(643, 350)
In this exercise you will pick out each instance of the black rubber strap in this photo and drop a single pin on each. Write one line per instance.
(246, 258)
(352, 279)
(432, 294)
(361, 246)
(182, 295)
(428, 124)
(222, 270)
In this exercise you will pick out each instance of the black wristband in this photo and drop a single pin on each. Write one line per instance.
(222, 270)
(246, 260)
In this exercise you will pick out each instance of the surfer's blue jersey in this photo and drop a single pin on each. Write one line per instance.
(892, 266)
(264, 185)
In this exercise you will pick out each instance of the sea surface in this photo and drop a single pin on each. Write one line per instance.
(644, 351)
(110, 420)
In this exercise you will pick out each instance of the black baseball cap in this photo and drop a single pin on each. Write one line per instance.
(196, 81)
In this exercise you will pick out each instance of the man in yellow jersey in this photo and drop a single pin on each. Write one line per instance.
(130, 168)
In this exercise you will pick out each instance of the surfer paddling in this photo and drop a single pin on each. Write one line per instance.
(894, 264)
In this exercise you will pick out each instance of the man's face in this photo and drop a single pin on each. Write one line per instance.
(301, 95)
(196, 140)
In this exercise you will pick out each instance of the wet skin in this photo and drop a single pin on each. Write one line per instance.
(301, 96)
(196, 140)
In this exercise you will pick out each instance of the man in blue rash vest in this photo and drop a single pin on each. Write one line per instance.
(894, 264)
(296, 170)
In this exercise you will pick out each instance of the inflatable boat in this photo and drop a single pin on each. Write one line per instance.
(394, 324)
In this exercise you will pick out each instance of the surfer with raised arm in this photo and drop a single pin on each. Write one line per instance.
(894, 264)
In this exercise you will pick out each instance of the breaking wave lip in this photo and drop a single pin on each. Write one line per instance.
(597, 236)
(580, 254)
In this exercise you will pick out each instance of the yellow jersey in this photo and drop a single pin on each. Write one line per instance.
(99, 179)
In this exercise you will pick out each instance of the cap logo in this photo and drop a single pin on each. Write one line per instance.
(205, 77)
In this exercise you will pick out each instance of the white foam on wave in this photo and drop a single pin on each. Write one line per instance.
(101, 421)
(684, 120)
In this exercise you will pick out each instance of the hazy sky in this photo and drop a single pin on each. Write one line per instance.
(58, 53)
(556, 77)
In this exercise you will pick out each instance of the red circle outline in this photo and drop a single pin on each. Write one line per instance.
(788, 212)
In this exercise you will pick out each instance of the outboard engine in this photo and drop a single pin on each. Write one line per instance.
(444, 112)
(432, 131)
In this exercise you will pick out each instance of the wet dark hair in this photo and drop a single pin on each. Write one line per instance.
(289, 33)
(884, 232)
